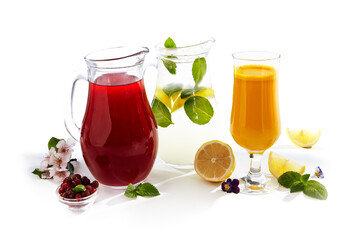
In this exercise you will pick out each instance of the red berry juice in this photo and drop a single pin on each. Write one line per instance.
(119, 138)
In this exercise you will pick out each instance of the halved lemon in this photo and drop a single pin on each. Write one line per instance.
(303, 137)
(214, 161)
(279, 165)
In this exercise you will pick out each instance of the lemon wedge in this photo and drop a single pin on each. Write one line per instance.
(279, 165)
(303, 137)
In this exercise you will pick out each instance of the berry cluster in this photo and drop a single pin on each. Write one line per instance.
(67, 187)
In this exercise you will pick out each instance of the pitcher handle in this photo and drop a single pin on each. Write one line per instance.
(150, 88)
(70, 125)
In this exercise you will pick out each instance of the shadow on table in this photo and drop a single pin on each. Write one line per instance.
(182, 192)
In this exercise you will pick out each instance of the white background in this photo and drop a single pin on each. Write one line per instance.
(42, 46)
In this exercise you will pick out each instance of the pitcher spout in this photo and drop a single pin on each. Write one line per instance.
(118, 57)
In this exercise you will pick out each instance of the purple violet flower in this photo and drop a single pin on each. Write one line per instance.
(318, 172)
(231, 186)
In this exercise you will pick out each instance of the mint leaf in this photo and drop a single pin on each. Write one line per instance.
(172, 88)
(52, 143)
(316, 190)
(199, 69)
(287, 179)
(297, 187)
(170, 66)
(304, 178)
(38, 172)
(199, 110)
(188, 92)
(169, 43)
(130, 191)
(79, 188)
(161, 113)
(146, 190)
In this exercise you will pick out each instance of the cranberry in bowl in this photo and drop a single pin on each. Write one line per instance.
(77, 193)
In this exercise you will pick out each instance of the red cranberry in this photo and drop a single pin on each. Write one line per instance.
(76, 176)
(85, 180)
(69, 193)
(76, 182)
(89, 187)
(85, 193)
(78, 195)
(64, 186)
(92, 190)
(95, 184)
(67, 180)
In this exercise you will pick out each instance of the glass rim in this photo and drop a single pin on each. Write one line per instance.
(137, 51)
(245, 55)
(173, 51)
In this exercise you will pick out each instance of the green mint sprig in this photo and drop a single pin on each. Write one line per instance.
(301, 183)
(199, 110)
(199, 69)
(169, 43)
(172, 88)
(143, 189)
(161, 113)
(170, 65)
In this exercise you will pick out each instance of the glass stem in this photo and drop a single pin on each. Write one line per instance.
(255, 165)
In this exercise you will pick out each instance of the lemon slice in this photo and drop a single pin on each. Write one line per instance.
(214, 161)
(205, 92)
(162, 97)
(303, 137)
(178, 102)
(279, 165)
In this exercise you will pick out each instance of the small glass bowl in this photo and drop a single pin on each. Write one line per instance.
(80, 204)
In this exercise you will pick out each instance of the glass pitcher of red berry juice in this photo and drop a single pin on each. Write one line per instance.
(118, 136)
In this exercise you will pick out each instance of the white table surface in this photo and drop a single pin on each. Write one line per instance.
(319, 86)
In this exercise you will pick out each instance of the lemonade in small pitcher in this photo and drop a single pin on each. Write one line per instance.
(184, 104)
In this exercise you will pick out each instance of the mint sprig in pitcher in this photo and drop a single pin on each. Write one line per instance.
(184, 104)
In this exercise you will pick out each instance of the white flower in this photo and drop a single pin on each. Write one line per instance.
(59, 176)
(45, 163)
(44, 167)
(57, 161)
(46, 174)
(65, 148)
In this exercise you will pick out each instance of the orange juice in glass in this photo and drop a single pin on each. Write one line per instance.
(255, 118)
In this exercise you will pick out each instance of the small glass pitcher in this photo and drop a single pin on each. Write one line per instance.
(184, 104)
(118, 136)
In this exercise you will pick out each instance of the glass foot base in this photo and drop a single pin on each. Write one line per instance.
(261, 184)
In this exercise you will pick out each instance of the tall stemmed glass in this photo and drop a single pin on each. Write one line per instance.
(255, 118)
